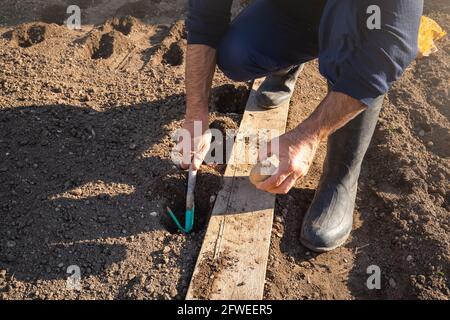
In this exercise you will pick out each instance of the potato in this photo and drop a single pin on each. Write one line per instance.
(262, 171)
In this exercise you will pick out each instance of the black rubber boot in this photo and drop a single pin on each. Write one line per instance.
(328, 221)
(277, 87)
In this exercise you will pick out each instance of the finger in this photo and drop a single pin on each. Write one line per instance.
(274, 181)
(197, 160)
(186, 157)
(286, 186)
(199, 156)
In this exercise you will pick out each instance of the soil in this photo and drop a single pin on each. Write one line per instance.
(85, 172)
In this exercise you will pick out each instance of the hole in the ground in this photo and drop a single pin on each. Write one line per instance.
(173, 190)
(230, 98)
(105, 48)
(109, 44)
(28, 35)
(54, 14)
(175, 55)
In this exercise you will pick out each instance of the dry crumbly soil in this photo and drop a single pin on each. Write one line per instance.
(85, 173)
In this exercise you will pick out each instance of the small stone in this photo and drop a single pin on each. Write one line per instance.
(166, 249)
(173, 292)
(421, 133)
(392, 283)
(61, 265)
(132, 146)
(101, 219)
(212, 199)
(154, 214)
(430, 143)
(10, 244)
(149, 289)
(279, 219)
(421, 278)
(345, 260)
(409, 258)
(2, 274)
(76, 192)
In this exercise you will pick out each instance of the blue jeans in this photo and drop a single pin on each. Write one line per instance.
(265, 38)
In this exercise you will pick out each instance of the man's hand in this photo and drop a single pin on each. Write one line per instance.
(296, 152)
(195, 149)
(298, 147)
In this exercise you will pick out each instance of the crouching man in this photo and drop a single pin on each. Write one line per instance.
(273, 38)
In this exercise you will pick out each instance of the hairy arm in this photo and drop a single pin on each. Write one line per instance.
(200, 67)
(298, 147)
(335, 111)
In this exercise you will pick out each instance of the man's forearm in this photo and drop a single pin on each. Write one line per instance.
(334, 112)
(200, 67)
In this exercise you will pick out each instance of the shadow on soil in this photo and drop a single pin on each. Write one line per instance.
(72, 180)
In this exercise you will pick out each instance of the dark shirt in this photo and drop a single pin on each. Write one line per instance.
(360, 62)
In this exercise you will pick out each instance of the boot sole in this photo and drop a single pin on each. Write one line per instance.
(325, 249)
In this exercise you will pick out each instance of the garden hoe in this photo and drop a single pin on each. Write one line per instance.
(190, 205)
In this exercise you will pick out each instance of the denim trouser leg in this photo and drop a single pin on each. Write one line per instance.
(264, 39)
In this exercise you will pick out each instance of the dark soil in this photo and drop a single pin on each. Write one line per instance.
(230, 98)
(175, 55)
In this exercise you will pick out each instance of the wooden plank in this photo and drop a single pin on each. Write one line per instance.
(233, 258)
